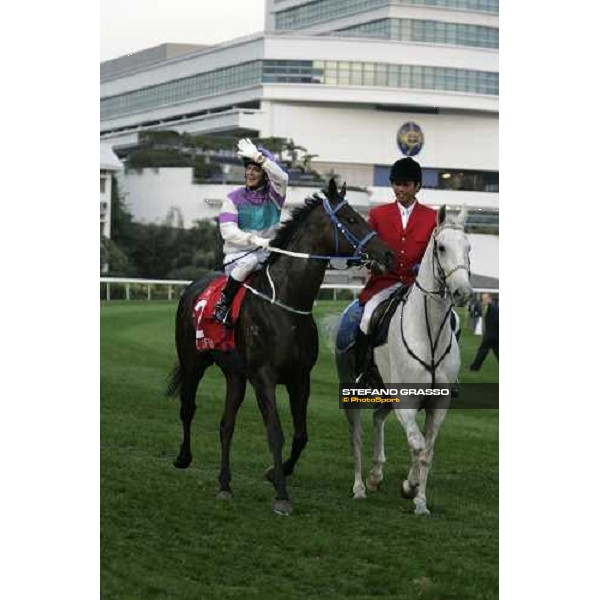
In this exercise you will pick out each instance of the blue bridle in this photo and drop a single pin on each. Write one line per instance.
(355, 242)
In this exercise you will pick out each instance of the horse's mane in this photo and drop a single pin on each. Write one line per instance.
(299, 215)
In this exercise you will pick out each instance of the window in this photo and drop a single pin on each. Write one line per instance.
(446, 179)
(302, 72)
(428, 32)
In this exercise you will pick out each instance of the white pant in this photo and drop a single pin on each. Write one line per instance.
(240, 264)
(373, 303)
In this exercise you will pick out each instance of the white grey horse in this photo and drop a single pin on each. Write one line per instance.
(421, 349)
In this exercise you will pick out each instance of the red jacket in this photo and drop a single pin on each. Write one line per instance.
(409, 245)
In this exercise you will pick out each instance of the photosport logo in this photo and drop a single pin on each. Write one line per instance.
(418, 395)
(410, 139)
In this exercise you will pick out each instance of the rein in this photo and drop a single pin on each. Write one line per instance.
(339, 228)
(442, 293)
(357, 243)
(433, 364)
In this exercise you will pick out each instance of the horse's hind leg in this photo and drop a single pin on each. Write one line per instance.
(236, 389)
(376, 474)
(433, 420)
(191, 375)
(355, 429)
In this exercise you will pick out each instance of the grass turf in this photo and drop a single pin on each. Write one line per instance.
(164, 535)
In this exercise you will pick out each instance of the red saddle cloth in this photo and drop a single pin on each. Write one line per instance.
(210, 334)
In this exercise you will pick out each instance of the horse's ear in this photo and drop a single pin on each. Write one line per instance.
(441, 215)
(332, 189)
(343, 190)
(462, 216)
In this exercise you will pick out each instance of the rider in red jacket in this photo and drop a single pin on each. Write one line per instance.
(406, 226)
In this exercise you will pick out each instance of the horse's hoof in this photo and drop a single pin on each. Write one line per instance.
(373, 484)
(408, 490)
(182, 461)
(422, 510)
(282, 508)
(224, 495)
(359, 495)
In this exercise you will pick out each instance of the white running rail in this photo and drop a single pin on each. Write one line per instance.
(172, 284)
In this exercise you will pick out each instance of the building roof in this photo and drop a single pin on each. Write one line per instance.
(145, 58)
(108, 159)
(483, 281)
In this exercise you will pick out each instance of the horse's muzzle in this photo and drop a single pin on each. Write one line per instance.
(461, 296)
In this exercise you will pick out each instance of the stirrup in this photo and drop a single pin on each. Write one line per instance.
(221, 314)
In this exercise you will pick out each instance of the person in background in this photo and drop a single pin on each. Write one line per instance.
(490, 340)
(249, 220)
(474, 309)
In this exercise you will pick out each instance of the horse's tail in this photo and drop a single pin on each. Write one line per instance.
(339, 345)
(329, 325)
(184, 332)
(174, 381)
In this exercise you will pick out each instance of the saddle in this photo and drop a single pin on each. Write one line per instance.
(382, 316)
(380, 321)
(210, 334)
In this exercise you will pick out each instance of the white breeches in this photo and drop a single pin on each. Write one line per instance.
(240, 264)
(373, 303)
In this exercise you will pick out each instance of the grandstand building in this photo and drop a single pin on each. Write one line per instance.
(358, 83)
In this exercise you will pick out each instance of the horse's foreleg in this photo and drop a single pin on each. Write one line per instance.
(192, 373)
(433, 421)
(376, 474)
(265, 395)
(416, 444)
(299, 392)
(355, 430)
(236, 388)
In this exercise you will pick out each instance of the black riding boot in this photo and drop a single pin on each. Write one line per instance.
(227, 295)
(363, 358)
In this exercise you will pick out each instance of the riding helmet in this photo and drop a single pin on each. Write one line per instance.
(406, 169)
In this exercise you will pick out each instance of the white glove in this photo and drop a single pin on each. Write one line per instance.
(256, 240)
(246, 149)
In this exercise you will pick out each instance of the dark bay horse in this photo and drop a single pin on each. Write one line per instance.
(276, 335)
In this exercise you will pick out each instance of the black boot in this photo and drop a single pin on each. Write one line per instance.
(363, 358)
(227, 295)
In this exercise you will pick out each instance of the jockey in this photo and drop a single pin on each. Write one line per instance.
(249, 219)
(406, 226)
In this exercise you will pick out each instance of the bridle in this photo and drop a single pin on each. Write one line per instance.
(357, 258)
(441, 277)
(358, 244)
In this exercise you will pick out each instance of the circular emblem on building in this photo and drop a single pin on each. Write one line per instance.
(410, 139)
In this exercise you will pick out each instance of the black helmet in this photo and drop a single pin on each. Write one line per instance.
(406, 169)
